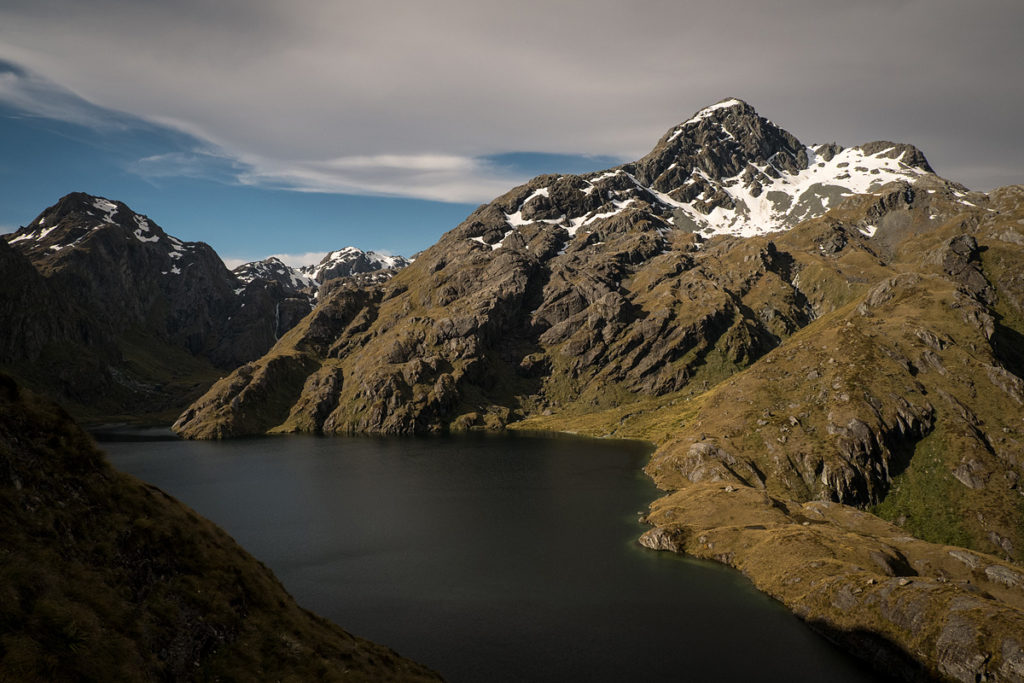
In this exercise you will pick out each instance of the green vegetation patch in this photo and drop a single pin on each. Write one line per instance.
(925, 498)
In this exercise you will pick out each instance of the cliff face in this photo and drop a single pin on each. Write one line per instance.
(107, 578)
(118, 314)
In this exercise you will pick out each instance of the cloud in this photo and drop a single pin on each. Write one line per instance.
(36, 96)
(442, 178)
(305, 259)
(439, 177)
(233, 263)
(198, 163)
(291, 90)
(445, 178)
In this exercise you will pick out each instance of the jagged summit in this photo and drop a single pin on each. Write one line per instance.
(721, 141)
(351, 261)
(275, 270)
(78, 218)
(724, 170)
(730, 138)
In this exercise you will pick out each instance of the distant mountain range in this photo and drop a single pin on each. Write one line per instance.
(341, 263)
(116, 317)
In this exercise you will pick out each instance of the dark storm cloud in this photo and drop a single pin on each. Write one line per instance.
(381, 96)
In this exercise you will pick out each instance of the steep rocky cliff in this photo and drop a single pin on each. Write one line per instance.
(107, 578)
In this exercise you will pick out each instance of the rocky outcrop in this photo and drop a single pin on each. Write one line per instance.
(104, 577)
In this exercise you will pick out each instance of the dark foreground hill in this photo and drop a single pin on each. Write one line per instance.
(104, 578)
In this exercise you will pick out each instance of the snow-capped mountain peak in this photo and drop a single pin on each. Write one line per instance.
(79, 218)
(351, 261)
(724, 170)
(274, 269)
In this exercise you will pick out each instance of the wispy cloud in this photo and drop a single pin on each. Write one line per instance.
(446, 178)
(305, 259)
(438, 177)
(34, 95)
(198, 163)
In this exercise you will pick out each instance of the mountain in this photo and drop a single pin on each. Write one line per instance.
(546, 296)
(107, 578)
(347, 262)
(129, 317)
(352, 261)
(824, 343)
(273, 269)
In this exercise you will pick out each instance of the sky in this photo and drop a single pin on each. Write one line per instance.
(263, 127)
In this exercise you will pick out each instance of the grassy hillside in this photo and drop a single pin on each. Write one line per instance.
(105, 578)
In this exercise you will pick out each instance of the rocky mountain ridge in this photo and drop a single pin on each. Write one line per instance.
(794, 323)
(155, 317)
(533, 283)
(274, 269)
(346, 262)
(143, 299)
(726, 170)
(352, 261)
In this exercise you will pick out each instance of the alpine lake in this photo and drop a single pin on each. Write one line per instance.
(492, 558)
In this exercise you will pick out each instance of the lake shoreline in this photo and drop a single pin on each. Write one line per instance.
(837, 591)
(553, 488)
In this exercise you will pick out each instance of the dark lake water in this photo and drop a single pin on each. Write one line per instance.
(488, 558)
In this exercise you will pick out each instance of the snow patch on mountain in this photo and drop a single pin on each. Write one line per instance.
(35, 235)
(143, 232)
(107, 208)
(350, 261)
(274, 269)
(703, 114)
(761, 199)
(78, 216)
(339, 263)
